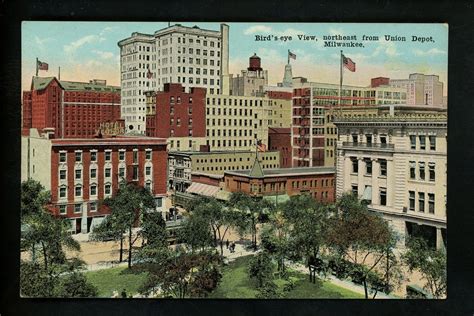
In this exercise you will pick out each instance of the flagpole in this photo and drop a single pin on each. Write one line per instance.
(340, 84)
(59, 73)
(288, 57)
(36, 66)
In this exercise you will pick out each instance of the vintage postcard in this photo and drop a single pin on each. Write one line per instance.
(234, 160)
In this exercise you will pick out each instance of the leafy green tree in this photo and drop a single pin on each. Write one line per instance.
(431, 263)
(34, 197)
(110, 229)
(269, 290)
(261, 268)
(196, 233)
(255, 209)
(153, 230)
(275, 239)
(356, 234)
(127, 207)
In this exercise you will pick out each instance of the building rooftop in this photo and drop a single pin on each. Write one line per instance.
(217, 152)
(285, 171)
(122, 140)
(40, 83)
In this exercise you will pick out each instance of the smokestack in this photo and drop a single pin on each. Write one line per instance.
(224, 86)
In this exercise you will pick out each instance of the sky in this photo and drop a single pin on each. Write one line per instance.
(89, 50)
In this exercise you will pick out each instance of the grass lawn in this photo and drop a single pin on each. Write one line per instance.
(119, 278)
(235, 283)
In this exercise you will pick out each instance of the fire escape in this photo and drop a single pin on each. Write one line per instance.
(304, 130)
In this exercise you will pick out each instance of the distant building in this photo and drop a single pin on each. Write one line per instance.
(395, 159)
(182, 165)
(280, 139)
(71, 109)
(252, 81)
(191, 56)
(82, 172)
(177, 116)
(279, 184)
(280, 102)
(421, 89)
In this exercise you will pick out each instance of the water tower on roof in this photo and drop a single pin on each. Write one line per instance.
(254, 63)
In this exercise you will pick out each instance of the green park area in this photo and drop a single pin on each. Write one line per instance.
(236, 283)
(116, 279)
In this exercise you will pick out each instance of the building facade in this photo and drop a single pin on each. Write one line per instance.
(396, 160)
(280, 101)
(191, 56)
(278, 184)
(181, 165)
(421, 89)
(252, 81)
(81, 172)
(310, 129)
(72, 109)
(279, 139)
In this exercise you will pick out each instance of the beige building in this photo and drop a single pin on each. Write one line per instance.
(36, 158)
(182, 164)
(421, 89)
(396, 160)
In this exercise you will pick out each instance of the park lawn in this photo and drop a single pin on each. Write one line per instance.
(116, 279)
(235, 283)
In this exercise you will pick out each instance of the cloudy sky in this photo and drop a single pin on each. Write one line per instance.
(88, 50)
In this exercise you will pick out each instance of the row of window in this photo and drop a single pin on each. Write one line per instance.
(311, 183)
(240, 102)
(421, 202)
(382, 194)
(92, 190)
(420, 142)
(219, 160)
(422, 171)
(228, 133)
(107, 155)
(77, 208)
(225, 143)
(368, 166)
(241, 112)
(107, 173)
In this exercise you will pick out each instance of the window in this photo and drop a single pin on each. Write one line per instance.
(383, 167)
(148, 186)
(355, 165)
(107, 189)
(432, 142)
(78, 191)
(355, 138)
(62, 157)
(93, 189)
(431, 203)
(383, 139)
(412, 170)
(78, 174)
(78, 156)
(62, 192)
(383, 196)
(121, 155)
(107, 172)
(135, 156)
(62, 209)
(77, 208)
(62, 174)
(369, 139)
(148, 155)
(108, 155)
(422, 170)
(412, 141)
(412, 200)
(148, 171)
(421, 201)
(93, 173)
(93, 156)
(135, 173)
(422, 142)
(355, 189)
(431, 167)
(122, 172)
(93, 206)
(368, 166)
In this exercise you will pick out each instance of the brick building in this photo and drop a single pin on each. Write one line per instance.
(177, 115)
(73, 109)
(280, 139)
(279, 184)
(81, 172)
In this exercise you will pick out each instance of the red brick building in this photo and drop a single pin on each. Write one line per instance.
(82, 172)
(73, 109)
(275, 94)
(280, 139)
(177, 114)
(379, 81)
(278, 183)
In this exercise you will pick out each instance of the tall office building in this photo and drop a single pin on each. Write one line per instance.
(191, 56)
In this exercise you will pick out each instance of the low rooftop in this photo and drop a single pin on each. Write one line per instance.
(286, 171)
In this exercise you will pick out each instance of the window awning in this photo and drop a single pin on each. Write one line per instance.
(367, 195)
(203, 189)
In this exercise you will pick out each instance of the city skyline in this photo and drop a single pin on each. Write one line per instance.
(89, 50)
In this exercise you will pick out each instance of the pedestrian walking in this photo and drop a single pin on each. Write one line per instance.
(227, 244)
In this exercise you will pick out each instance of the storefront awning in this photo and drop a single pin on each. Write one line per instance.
(203, 189)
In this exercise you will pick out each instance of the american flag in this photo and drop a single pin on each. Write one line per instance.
(261, 146)
(291, 55)
(348, 63)
(42, 66)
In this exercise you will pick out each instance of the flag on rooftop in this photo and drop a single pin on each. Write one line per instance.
(348, 63)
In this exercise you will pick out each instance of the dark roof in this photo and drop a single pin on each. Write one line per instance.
(285, 171)
(40, 83)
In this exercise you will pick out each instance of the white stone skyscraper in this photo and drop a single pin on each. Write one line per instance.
(191, 56)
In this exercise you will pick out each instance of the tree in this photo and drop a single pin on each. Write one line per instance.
(127, 207)
(357, 234)
(431, 263)
(275, 239)
(261, 268)
(254, 209)
(196, 233)
(153, 230)
(182, 274)
(110, 229)
(50, 276)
